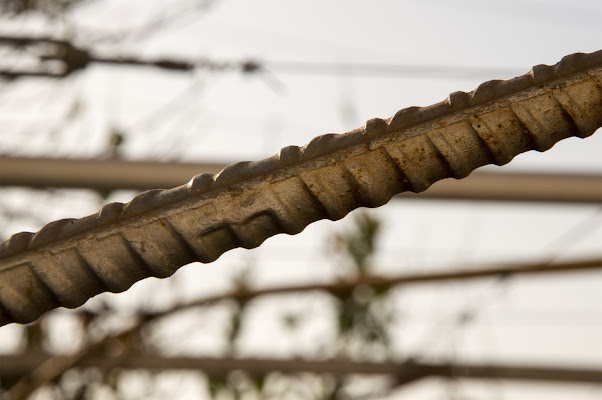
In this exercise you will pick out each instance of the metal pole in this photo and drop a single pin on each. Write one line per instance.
(143, 175)
(17, 366)
(69, 261)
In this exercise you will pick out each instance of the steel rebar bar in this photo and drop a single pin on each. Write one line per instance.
(68, 261)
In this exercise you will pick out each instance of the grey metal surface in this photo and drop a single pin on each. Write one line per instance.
(69, 261)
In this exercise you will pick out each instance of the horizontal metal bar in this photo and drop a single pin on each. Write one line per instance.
(99, 174)
(16, 366)
(111, 174)
(521, 187)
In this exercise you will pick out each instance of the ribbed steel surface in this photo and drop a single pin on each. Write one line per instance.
(68, 261)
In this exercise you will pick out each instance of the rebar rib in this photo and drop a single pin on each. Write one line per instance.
(68, 261)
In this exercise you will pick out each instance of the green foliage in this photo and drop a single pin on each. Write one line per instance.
(361, 317)
(359, 243)
(216, 384)
(116, 141)
(361, 325)
(291, 320)
(235, 324)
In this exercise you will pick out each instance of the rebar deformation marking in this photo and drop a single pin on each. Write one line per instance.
(68, 261)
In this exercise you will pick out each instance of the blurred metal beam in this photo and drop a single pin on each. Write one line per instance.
(143, 175)
(518, 186)
(17, 366)
(99, 174)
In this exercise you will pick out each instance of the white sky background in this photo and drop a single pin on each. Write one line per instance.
(229, 116)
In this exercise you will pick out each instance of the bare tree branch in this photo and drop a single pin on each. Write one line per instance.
(51, 368)
(385, 283)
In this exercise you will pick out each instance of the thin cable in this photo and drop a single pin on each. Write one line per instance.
(389, 70)
(564, 242)
(75, 58)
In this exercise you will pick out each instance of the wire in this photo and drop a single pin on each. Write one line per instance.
(389, 70)
(74, 58)
(569, 238)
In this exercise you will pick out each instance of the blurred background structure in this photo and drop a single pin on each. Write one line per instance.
(417, 299)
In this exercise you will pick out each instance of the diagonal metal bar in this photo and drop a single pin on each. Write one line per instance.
(69, 261)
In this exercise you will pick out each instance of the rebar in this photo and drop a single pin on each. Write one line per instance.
(70, 260)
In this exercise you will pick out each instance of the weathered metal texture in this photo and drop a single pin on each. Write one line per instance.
(68, 261)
